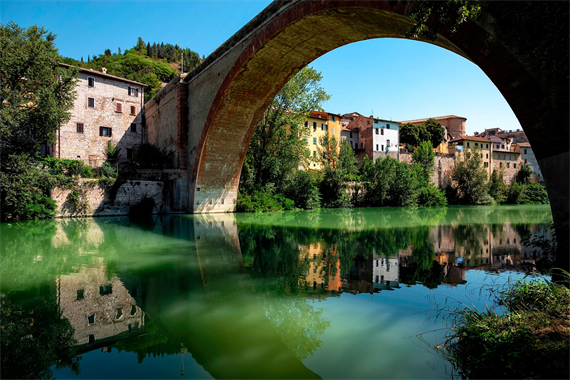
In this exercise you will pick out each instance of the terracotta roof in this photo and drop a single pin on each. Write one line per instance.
(95, 72)
(435, 118)
(470, 138)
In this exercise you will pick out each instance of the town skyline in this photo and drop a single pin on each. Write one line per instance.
(418, 80)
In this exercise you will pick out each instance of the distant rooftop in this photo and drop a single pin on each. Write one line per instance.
(435, 118)
(470, 138)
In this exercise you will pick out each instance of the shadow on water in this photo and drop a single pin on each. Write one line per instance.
(235, 291)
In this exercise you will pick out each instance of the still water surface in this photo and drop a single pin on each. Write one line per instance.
(322, 294)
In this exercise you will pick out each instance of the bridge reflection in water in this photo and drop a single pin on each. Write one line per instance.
(235, 291)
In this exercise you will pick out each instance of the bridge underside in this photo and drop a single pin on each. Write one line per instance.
(223, 99)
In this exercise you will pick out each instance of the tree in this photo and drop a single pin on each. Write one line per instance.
(471, 178)
(107, 53)
(424, 156)
(339, 170)
(497, 186)
(410, 134)
(278, 141)
(36, 93)
(524, 174)
(140, 46)
(436, 132)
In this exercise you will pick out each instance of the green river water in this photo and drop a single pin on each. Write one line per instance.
(307, 294)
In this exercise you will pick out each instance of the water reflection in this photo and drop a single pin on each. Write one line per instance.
(241, 293)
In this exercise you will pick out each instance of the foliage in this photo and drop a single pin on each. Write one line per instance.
(64, 166)
(424, 156)
(527, 193)
(26, 189)
(524, 174)
(112, 151)
(149, 156)
(529, 340)
(262, 201)
(497, 186)
(36, 93)
(77, 199)
(471, 178)
(450, 14)
(410, 134)
(278, 143)
(435, 131)
(302, 188)
(432, 196)
(107, 171)
(340, 168)
(35, 336)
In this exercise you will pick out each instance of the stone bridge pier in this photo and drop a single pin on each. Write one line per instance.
(208, 116)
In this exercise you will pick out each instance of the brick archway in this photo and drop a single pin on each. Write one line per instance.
(247, 71)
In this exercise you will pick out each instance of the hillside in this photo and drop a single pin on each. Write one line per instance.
(152, 64)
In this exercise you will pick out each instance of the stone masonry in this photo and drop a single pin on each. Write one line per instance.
(105, 110)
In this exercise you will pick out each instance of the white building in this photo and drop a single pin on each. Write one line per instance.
(385, 272)
(385, 136)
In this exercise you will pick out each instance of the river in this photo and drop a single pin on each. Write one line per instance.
(349, 293)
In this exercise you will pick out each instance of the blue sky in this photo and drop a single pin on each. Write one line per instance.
(394, 79)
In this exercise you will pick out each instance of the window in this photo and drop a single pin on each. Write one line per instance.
(486, 164)
(91, 102)
(314, 270)
(502, 146)
(487, 155)
(314, 141)
(387, 143)
(133, 127)
(91, 319)
(80, 294)
(323, 127)
(350, 134)
(476, 144)
(79, 127)
(129, 154)
(382, 147)
(133, 310)
(376, 146)
(315, 125)
(119, 313)
(525, 160)
(306, 123)
(515, 165)
(133, 110)
(487, 146)
(388, 126)
(333, 118)
(504, 156)
(91, 338)
(508, 164)
(467, 144)
(377, 279)
(361, 145)
(525, 151)
(382, 132)
(105, 131)
(90, 82)
(105, 289)
(133, 91)
(119, 107)
(509, 156)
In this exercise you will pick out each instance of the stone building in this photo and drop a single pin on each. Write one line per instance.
(461, 143)
(376, 137)
(528, 157)
(107, 109)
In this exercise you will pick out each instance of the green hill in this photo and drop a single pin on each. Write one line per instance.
(147, 63)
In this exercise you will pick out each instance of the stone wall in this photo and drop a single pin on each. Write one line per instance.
(100, 202)
(88, 146)
(443, 166)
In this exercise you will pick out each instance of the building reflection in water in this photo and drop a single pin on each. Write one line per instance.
(100, 307)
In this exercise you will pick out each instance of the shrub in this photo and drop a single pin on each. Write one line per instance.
(302, 188)
(107, 170)
(64, 166)
(260, 201)
(431, 196)
(534, 193)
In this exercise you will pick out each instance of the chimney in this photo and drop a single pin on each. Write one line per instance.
(104, 70)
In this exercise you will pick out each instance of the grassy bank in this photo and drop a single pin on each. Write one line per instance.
(529, 340)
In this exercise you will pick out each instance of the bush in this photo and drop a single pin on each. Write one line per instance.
(303, 189)
(64, 166)
(25, 188)
(534, 193)
(108, 171)
(431, 196)
(264, 201)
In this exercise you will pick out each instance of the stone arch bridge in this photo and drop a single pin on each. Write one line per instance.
(208, 116)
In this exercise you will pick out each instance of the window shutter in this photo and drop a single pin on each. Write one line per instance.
(110, 131)
(119, 107)
(100, 131)
(136, 92)
(133, 110)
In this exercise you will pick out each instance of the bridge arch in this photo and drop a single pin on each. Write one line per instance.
(228, 92)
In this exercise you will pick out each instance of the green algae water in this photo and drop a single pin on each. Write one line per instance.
(309, 294)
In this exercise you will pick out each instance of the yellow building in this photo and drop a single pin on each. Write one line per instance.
(461, 143)
(323, 271)
(318, 124)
